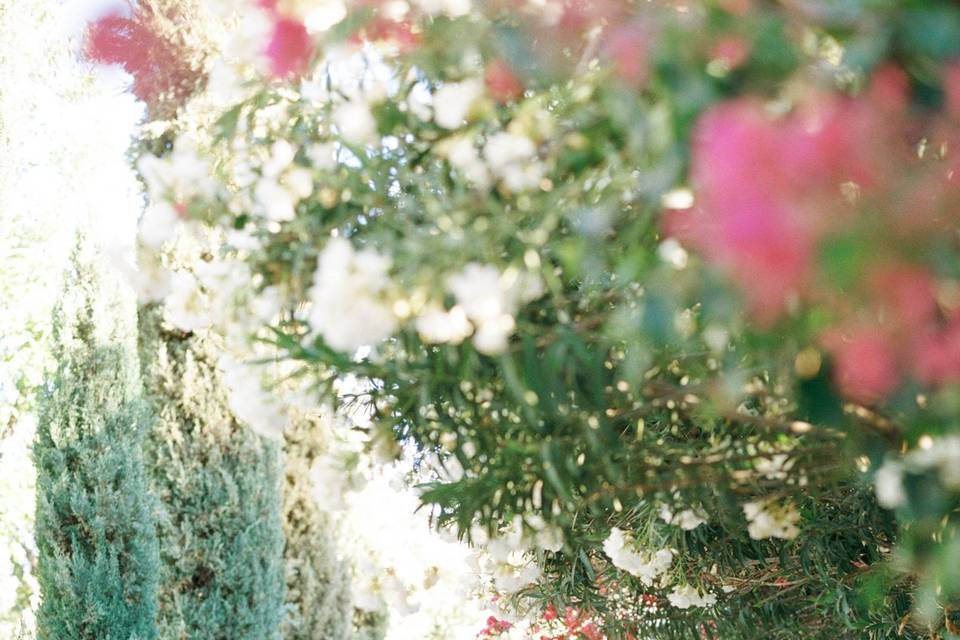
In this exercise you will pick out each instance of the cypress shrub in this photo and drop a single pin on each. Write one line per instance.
(96, 542)
(318, 581)
(220, 533)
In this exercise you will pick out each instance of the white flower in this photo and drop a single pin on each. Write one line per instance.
(505, 148)
(420, 102)
(479, 292)
(179, 176)
(453, 8)
(942, 454)
(492, 337)
(619, 548)
(513, 159)
(775, 467)
(323, 155)
(889, 485)
(349, 308)
(334, 474)
(463, 156)
(686, 596)
(515, 574)
(355, 122)
(767, 519)
(149, 278)
(439, 326)
(546, 537)
(324, 14)
(687, 519)
(281, 157)
(249, 402)
(453, 101)
(299, 182)
(490, 300)
(158, 224)
(186, 307)
(487, 303)
(673, 253)
(276, 202)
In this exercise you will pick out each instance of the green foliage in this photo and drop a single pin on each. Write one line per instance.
(221, 537)
(633, 381)
(97, 545)
(318, 580)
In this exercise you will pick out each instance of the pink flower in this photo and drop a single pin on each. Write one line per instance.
(289, 49)
(748, 223)
(951, 87)
(627, 48)
(890, 88)
(732, 51)
(153, 62)
(865, 364)
(906, 294)
(502, 81)
(936, 358)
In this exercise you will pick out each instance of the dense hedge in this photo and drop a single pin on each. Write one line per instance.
(318, 587)
(97, 545)
(221, 536)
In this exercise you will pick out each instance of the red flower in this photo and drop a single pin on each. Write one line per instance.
(165, 70)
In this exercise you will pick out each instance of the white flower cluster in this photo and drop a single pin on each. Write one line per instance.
(688, 519)
(428, 584)
(775, 467)
(508, 157)
(282, 183)
(487, 298)
(686, 596)
(651, 568)
(941, 455)
(186, 305)
(349, 306)
(771, 519)
(180, 176)
(262, 410)
(453, 102)
(648, 567)
(452, 8)
(509, 559)
(342, 470)
(352, 304)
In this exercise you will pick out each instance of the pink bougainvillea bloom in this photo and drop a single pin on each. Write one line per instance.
(951, 89)
(269, 5)
(936, 356)
(748, 222)
(399, 34)
(165, 70)
(736, 7)
(290, 48)
(627, 48)
(890, 88)
(905, 293)
(504, 85)
(732, 51)
(865, 364)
